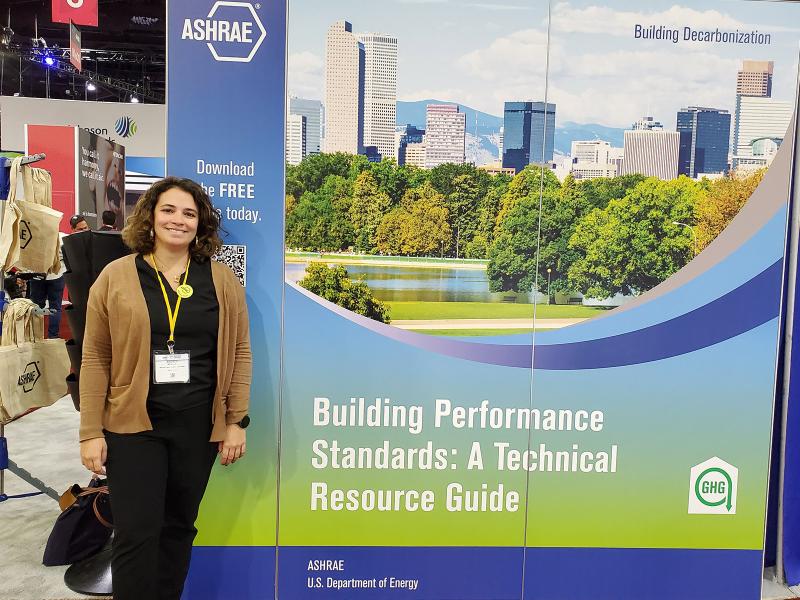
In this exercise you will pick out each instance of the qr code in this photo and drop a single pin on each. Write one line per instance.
(235, 257)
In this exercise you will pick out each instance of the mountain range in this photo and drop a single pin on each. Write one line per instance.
(483, 130)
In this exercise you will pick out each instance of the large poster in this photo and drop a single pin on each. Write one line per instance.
(464, 412)
(100, 176)
(225, 114)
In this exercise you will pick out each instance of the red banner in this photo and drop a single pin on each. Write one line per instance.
(80, 12)
(75, 46)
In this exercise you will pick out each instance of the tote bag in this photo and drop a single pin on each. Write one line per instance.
(33, 372)
(29, 235)
(84, 526)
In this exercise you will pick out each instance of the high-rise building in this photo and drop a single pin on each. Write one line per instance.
(296, 139)
(704, 140)
(409, 135)
(755, 78)
(344, 90)
(757, 118)
(647, 124)
(500, 144)
(593, 158)
(652, 152)
(416, 155)
(445, 135)
(528, 133)
(380, 90)
(312, 111)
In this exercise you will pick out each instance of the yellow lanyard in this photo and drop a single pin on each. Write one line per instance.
(172, 316)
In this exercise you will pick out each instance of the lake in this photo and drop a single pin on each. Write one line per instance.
(422, 284)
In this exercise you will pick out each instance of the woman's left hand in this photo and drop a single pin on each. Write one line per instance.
(232, 447)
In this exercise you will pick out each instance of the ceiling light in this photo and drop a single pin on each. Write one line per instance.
(90, 86)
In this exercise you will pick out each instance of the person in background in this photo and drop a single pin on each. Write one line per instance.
(49, 291)
(165, 383)
(109, 218)
(78, 223)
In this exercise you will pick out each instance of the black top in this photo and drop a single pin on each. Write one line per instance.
(196, 331)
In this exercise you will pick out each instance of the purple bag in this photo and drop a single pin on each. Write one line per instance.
(84, 526)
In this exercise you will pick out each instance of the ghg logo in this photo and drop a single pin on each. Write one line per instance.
(29, 376)
(713, 488)
(232, 31)
(125, 127)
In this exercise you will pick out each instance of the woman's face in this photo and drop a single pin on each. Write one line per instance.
(175, 219)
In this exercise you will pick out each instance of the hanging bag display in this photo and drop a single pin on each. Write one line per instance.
(84, 526)
(29, 235)
(33, 370)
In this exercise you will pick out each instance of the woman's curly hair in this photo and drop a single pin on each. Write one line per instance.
(138, 232)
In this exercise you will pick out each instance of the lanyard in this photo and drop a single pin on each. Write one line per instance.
(172, 316)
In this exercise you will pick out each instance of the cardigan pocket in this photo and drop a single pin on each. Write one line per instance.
(116, 392)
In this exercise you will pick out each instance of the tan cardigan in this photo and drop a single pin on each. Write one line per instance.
(115, 372)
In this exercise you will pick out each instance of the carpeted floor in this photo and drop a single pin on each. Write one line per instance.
(44, 443)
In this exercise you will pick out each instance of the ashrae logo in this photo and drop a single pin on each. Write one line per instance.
(712, 488)
(232, 31)
(29, 377)
(125, 127)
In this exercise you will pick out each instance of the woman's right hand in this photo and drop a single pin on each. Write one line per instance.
(93, 455)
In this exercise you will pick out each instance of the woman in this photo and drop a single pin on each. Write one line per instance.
(165, 383)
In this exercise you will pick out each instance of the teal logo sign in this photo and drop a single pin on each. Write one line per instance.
(125, 127)
(712, 488)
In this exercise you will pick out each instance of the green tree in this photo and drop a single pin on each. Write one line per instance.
(418, 227)
(526, 184)
(319, 221)
(311, 173)
(601, 190)
(722, 201)
(520, 231)
(634, 244)
(462, 205)
(368, 207)
(334, 284)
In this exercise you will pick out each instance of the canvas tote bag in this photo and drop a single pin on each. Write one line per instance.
(29, 235)
(33, 370)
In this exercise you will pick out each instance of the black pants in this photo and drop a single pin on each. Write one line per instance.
(52, 291)
(156, 480)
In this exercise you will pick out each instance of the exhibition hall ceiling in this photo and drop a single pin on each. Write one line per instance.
(124, 56)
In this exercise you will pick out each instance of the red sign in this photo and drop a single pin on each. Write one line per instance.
(75, 46)
(80, 12)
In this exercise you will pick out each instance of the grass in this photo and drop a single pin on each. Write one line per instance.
(488, 310)
(471, 332)
(334, 257)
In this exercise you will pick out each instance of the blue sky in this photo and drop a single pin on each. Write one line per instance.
(482, 53)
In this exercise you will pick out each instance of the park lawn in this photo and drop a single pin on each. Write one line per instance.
(471, 332)
(415, 311)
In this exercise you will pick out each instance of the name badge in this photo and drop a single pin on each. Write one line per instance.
(171, 367)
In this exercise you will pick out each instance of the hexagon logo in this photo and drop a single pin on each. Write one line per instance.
(25, 234)
(232, 31)
(713, 487)
(30, 375)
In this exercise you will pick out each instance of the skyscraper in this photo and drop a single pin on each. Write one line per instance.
(445, 135)
(296, 139)
(528, 133)
(757, 118)
(312, 111)
(593, 158)
(380, 91)
(653, 153)
(755, 78)
(344, 90)
(646, 124)
(409, 135)
(704, 140)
